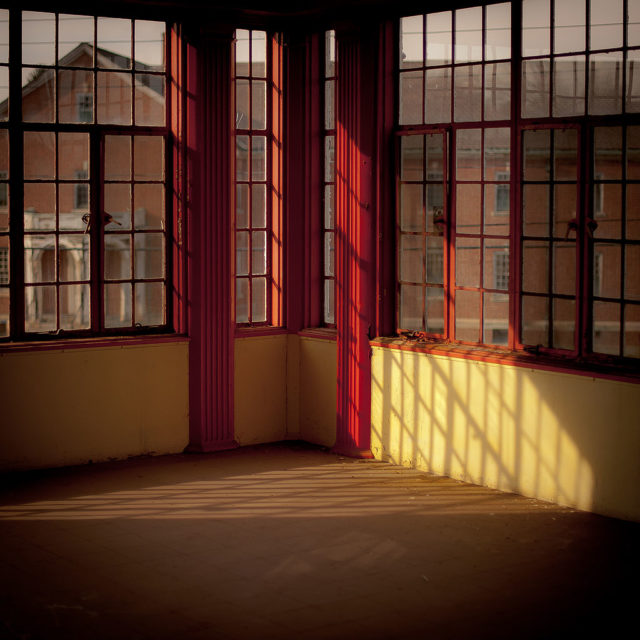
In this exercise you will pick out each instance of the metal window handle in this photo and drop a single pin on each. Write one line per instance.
(109, 218)
(86, 218)
(572, 225)
(439, 220)
(592, 225)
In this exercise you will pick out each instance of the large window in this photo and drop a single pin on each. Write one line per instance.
(517, 220)
(85, 135)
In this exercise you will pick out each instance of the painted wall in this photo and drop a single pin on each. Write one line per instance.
(570, 439)
(63, 407)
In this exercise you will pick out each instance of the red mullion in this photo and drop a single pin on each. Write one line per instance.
(450, 243)
(585, 244)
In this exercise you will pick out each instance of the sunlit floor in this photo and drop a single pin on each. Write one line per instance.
(288, 541)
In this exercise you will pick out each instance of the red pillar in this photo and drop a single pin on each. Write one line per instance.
(355, 238)
(210, 163)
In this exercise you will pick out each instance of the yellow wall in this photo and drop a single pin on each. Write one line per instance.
(62, 407)
(571, 439)
(285, 388)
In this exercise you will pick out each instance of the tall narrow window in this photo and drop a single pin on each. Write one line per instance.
(328, 225)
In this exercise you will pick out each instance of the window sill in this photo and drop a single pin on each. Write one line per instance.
(322, 333)
(90, 343)
(254, 332)
(622, 372)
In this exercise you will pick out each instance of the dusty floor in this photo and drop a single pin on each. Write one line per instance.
(292, 542)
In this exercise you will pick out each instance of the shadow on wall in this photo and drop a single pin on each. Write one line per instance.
(566, 438)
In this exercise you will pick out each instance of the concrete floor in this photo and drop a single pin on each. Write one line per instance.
(288, 541)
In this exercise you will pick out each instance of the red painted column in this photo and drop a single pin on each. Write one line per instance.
(355, 238)
(210, 163)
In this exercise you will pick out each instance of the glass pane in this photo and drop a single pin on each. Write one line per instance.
(564, 324)
(570, 26)
(75, 96)
(73, 155)
(435, 153)
(150, 101)
(565, 154)
(411, 37)
(410, 97)
(632, 92)
(568, 86)
(497, 156)
(258, 253)
(242, 300)
(437, 105)
(606, 328)
(329, 198)
(258, 205)
(259, 300)
(75, 261)
(242, 206)
(632, 331)
(150, 44)
(468, 158)
(4, 91)
(497, 91)
(607, 148)
(40, 258)
(498, 32)
(496, 264)
(38, 94)
(467, 314)
(535, 88)
(411, 157)
(242, 253)
(117, 305)
(242, 157)
(439, 38)
(435, 260)
(535, 321)
(633, 29)
(496, 319)
(607, 212)
(468, 208)
(564, 211)
(535, 266)
(117, 158)
(117, 204)
(606, 269)
(497, 207)
(632, 272)
(606, 24)
(411, 307)
(537, 155)
(117, 256)
(148, 206)
(330, 54)
(242, 54)
(258, 158)
(258, 104)
(434, 312)
(467, 93)
(329, 104)
(4, 154)
(5, 323)
(114, 35)
(536, 24)
(4, 35)
(38, 37)
(73, 206)
(114, 98)
(468, 46)
(39, 155)
(564, 268)
(633, 153)
(536, 209)
(259, 54)
(633, 212)
(149, 258)
(605, 83)
(412, 258)
(329, 254)
(242, 104)
(435, 205)
(39, 205)
(75, 41)
(150, 304)
(40, 309)
(4, 207)
(329, 302)
(329, 158)
(149, 158)
(468, 262)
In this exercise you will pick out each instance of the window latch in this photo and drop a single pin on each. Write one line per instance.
(592, 225)
(86, 218)
(109, 218)
(572, 225)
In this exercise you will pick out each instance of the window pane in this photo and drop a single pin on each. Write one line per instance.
(75, 305)
(259, 300)
(564, 211)
(411, 157)
(468, 158)
(411, 307)
(536, 210)
(568, 86)
(75, 41)
(434, 313)
(242, 157)
(329, 158)
(633, 212)
(330, 53)
(329, 197)
(40, 258)
(114, 35)
(497, 158)
(437, 107)
(410, 97)
(468, 208)
(40, 309)
(117, 204)
(607, 265)
(537, 155)
(148, 158)
(564, 268)
(498, 31)
(564, 324)
(497, 208)
(258, 158)
(117, 256)
(633, 30)
(496, 319)
(149, 258)
(438, 38)
(632, 331)
(150, 44)
(73, 155)
(536, 24)
(4, 35)
(607, 151)
(329, 104)
(258, 253)
(329, 302)
(150, 101)
(242, 300)
(467, 93)
(535, 321)
(259, 54)
(435, 260)
(468, 35)
(468, 316)
(565, 154)
(114, 98)
(38, 94)
(411, 207)
(535, 266)
(39, 205)
(242, 53)
(117, 305)
(73, 206)
(606, 328)
(258, 205)
(633, 82)
(117, 158)
(242, 206)
(4, 91)
(468, 262)
(150, 305)
(412, 258)
(497, 91)
(38, 37)
(570, 26)
(242, 253)
(242, 104)
(606, 24)
(535, 88)
(605, 83)
(607, 211)
(411, 38)
(496, 264)
(75, 96)
(40, 155)
(258, 104)
(632, 272)
(329, 254)
(148, 206)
